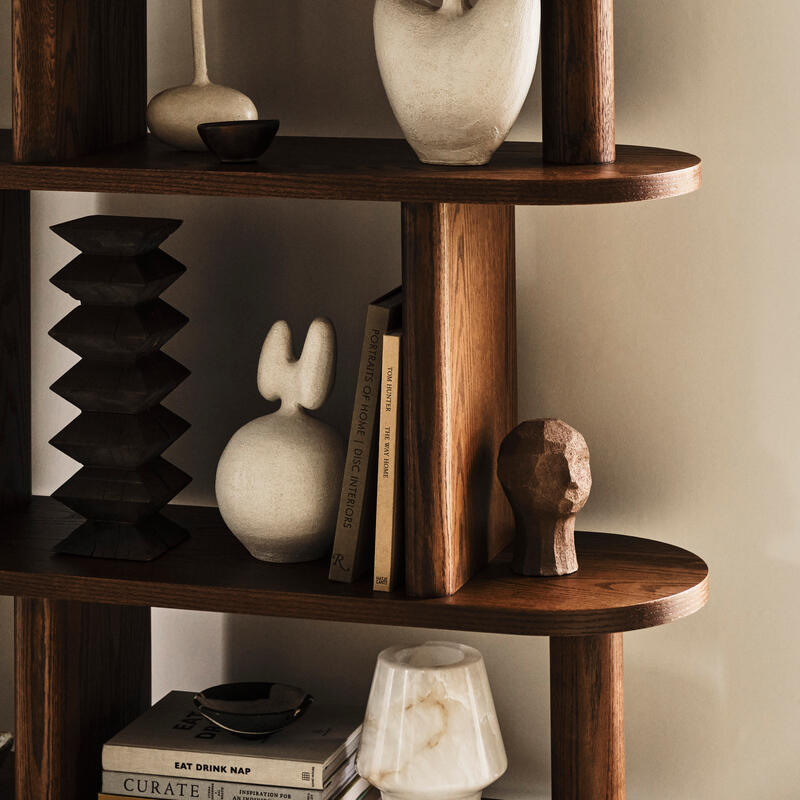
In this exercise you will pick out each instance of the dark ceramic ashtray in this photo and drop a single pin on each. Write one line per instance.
(252, 709)
(238, 141)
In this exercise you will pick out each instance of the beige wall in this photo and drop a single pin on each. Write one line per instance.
(666, 332)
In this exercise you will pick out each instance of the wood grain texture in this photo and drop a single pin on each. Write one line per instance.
(82, 673)
(15, 350)
(125, 441)
(624, 583)
(124, 496)
(578, 81)
(364, 169)
(459, 391)
(587, 728)
(125, 387)
(79, 76)
(116, 333)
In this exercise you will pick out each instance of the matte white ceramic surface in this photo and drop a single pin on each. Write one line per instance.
(430, 729)
(279, 477)
(456, 77)
(174, 114)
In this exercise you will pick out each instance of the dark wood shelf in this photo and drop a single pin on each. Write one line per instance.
(624, 583)
(362, 169)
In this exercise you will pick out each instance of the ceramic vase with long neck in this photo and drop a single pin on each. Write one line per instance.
(457, 76)
(174, 114)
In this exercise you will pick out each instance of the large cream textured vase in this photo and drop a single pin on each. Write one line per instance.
(456, 76)
(278, 479)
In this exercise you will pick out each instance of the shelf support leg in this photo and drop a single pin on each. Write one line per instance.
(79, 76)
(460, 388)
(15, 350)
(586, 717)
(578, 81)
(82, 673)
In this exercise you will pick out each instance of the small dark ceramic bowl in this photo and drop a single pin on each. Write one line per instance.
(252, 709)
(238, 141)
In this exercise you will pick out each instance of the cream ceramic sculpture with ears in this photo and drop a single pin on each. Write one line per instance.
(174, 114)
(279, 478)
(456, 76)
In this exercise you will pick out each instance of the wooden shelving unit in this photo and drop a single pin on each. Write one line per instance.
(83, 625)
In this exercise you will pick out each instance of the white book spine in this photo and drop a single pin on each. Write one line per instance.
(388, 519)
(125, 784)
(233, 768)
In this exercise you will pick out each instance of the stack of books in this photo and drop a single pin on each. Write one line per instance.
(369, 526)
(171, 751)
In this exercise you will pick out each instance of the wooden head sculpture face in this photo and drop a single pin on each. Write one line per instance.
(544, 468)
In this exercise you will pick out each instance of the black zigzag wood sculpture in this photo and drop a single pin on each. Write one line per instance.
(122, 429)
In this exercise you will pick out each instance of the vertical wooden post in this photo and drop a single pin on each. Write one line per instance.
(82, 673)
(587, 728)
(578, 81)
(460, 388)
(15, 350)
(80, 76)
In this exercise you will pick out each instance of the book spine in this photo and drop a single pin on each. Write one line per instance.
(235, 769)
(359, 470)
(388, 517)
(127, 784)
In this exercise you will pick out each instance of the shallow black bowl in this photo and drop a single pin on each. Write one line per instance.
(238, 141)
(252, 709)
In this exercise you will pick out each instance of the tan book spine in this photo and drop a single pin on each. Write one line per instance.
(388, 516)
(354, 522)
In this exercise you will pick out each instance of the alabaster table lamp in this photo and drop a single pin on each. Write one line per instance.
(430, 729)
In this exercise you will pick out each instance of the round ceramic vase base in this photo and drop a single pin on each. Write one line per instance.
(174, 114)
(293, 553)
(454, 161)
(457, 154)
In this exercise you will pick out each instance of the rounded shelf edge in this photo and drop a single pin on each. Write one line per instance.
(623, 583)
(364, 169)
(639, 173)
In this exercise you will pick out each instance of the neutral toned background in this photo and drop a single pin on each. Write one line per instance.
(665, 331)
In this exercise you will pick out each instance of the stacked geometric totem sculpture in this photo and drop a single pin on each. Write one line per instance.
(118, 385)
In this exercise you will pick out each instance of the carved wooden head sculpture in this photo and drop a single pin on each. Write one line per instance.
(544, 468)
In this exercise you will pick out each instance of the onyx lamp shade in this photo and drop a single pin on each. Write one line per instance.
(118, 330)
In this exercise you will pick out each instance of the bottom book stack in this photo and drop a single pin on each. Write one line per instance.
(117, 785)
(171, 751)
